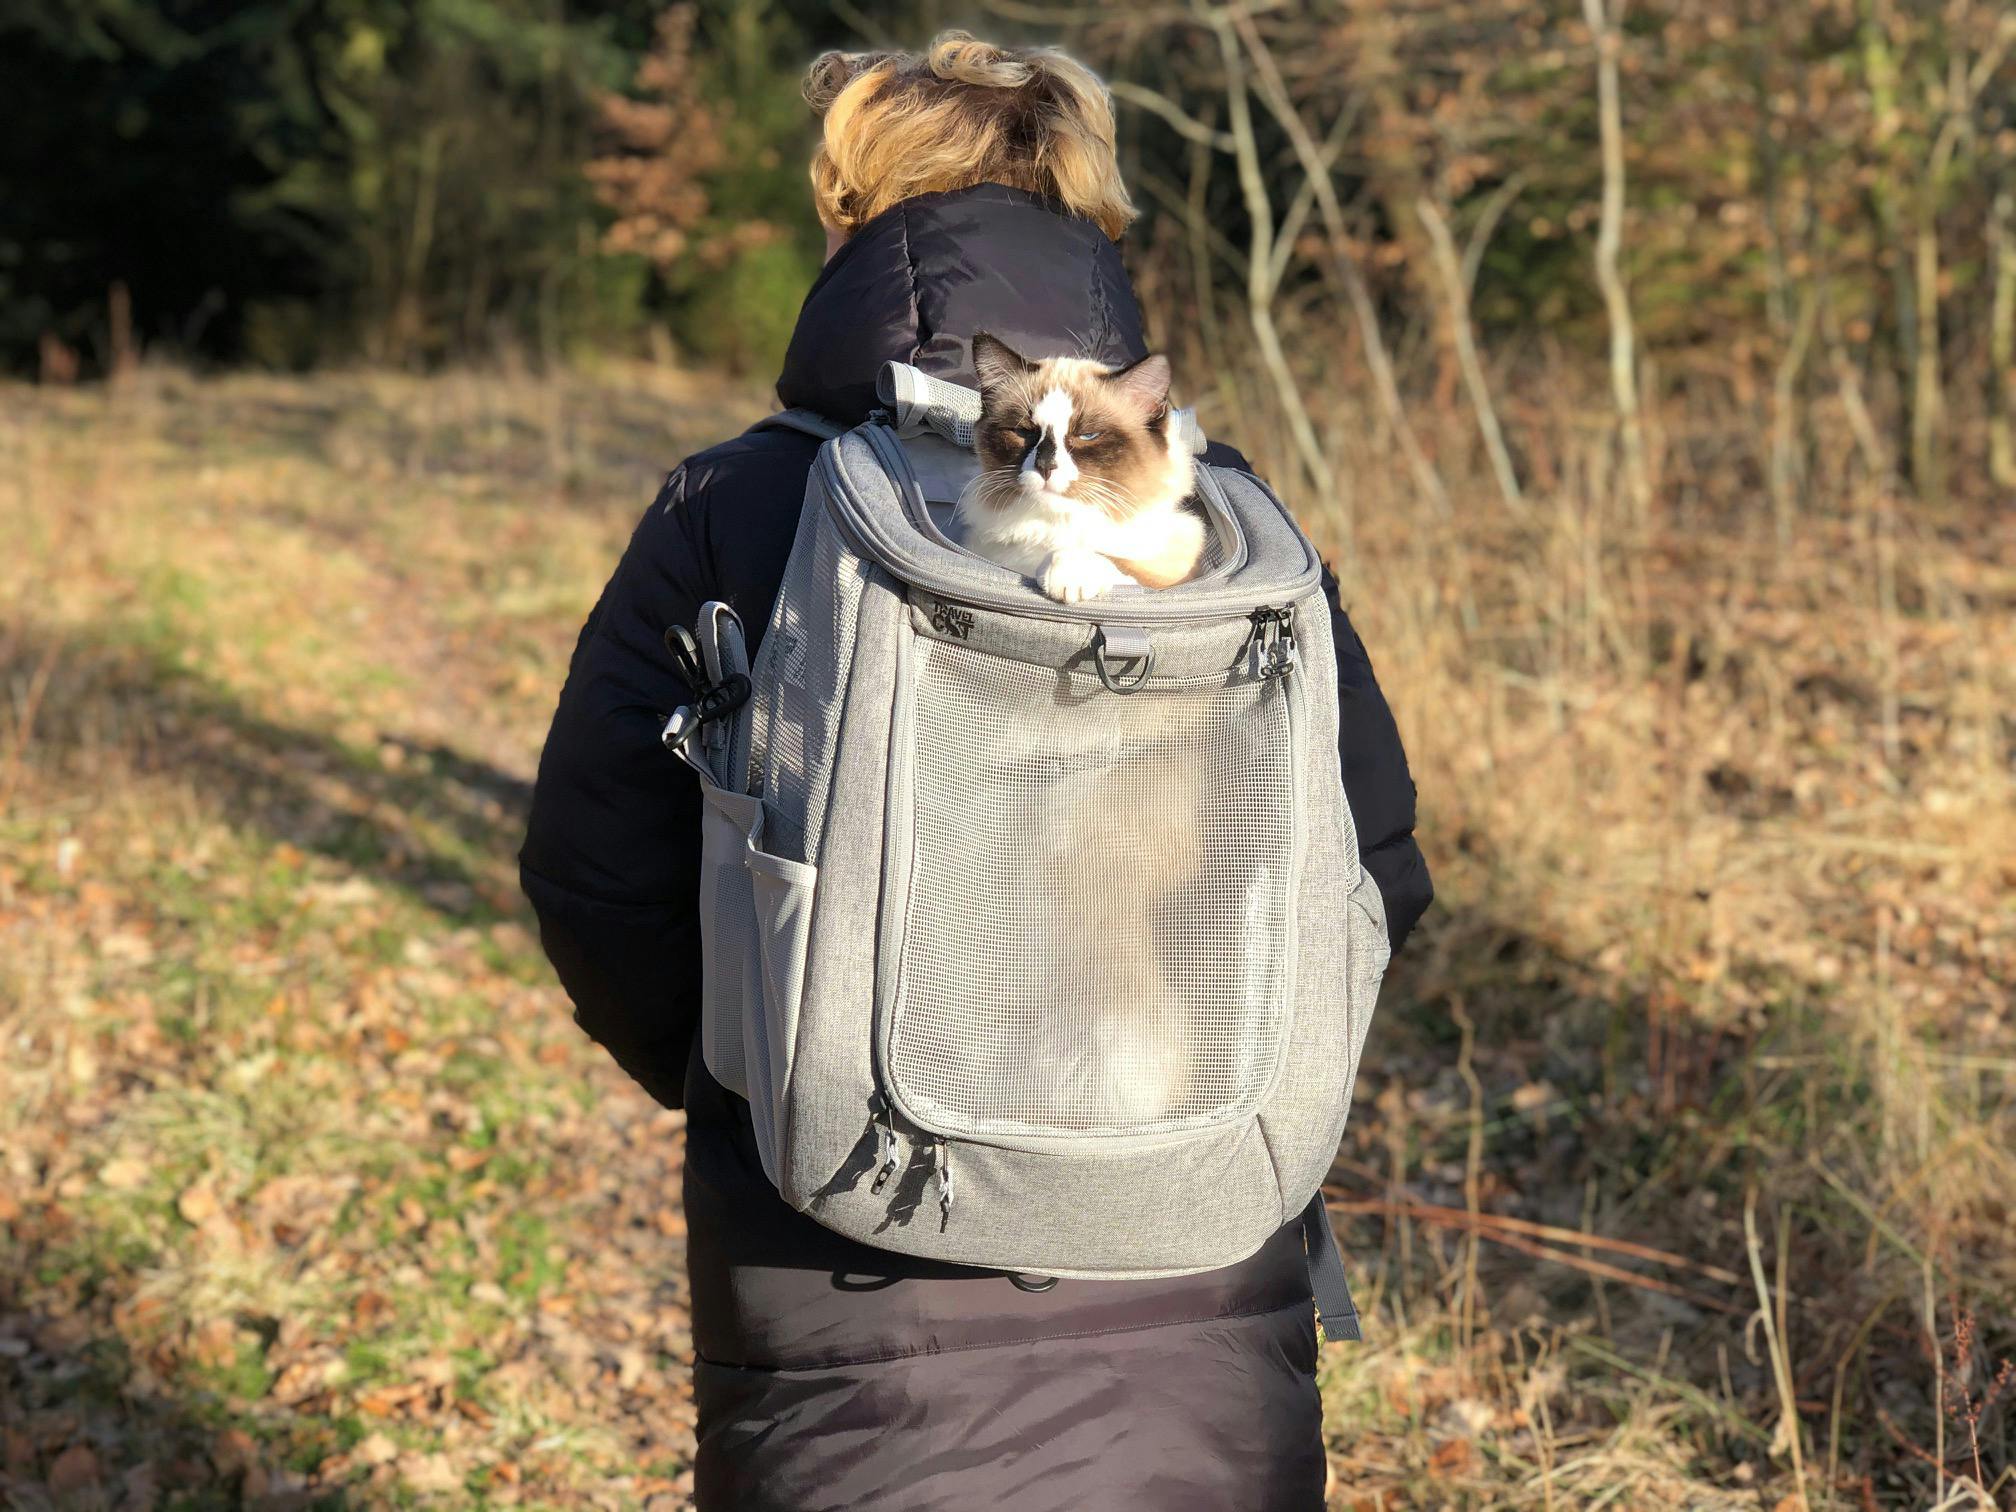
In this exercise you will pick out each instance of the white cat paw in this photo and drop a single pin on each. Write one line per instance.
(1072, 577)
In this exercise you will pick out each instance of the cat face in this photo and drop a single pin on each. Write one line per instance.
(1068, 429)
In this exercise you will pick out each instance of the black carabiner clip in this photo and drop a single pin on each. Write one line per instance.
(684, 647)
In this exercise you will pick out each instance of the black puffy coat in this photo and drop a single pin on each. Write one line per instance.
(829, 1375)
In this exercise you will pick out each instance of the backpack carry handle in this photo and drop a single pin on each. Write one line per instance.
(1124, 644)
(918, 402)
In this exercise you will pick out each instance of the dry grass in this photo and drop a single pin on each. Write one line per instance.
(1722, 826)
(307, 1185)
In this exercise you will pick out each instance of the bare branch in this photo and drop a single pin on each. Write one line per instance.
(1495, 206)
(1609, 242)
(1305, 192)
(1259, 295)
(1274, 94)
(1451, 272)
(1159, 104)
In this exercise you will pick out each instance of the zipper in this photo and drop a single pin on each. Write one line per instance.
(1270, 646)
(1271, 649)
(866, 536)
(897, 458)
(1281, 648)
(885, 1142)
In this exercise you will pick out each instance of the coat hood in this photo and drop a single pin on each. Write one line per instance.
(915, 283)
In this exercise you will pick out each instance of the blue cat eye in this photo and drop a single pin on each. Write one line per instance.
(1088, 435)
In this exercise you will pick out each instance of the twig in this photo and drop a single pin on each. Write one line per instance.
(1297, 214)
(1473, 1165)
(1608, 1272)
(869, 30)
(1781, 1365)
(1494, 210)
(27, 711)
(1448, 1217)
(1186, 125)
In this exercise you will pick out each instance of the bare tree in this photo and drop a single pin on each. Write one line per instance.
(1234, 26)
(1456, 292)
(2002, 339)
(1604, 17)
(1260, 284)
(1965, 81)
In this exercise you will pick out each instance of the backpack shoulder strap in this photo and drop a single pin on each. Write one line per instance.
(805, 420)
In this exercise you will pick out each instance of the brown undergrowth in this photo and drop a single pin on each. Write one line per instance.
(1681, 1168)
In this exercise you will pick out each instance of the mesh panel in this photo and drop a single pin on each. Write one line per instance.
(1097, 925)
(804, 657)
(1217, 550)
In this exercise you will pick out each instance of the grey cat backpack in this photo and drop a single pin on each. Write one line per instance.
(1034, 933)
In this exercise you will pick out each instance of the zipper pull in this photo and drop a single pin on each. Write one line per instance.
(1272, 642)
(944, 1184)
(1287, 654)
(1253, 652)
(885, 1144)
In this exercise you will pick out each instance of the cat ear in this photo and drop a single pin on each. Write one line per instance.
(995, 362)
(1144, 383)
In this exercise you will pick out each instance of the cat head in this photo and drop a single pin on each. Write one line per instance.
(1067, 428)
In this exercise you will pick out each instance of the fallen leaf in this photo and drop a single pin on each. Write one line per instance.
(1451, 1457)
(139, 1489)
(198, 1204)
(430, 1472)
(74, 1469)
(214, 1344)
(235, 1449)
(123, 1174)
(630, 1366)
(384, 1401)
(1533, 1096)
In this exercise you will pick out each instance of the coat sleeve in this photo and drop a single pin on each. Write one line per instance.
(1377, 784)
(611, 860)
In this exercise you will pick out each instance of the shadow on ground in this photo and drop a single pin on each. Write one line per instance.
(1578, 1105)
(98, 712)
(78, 1429)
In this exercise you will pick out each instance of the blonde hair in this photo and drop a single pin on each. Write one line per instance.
(962, 112)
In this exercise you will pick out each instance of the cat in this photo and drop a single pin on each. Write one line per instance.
(1085, 474)
(1132, 846)
(1084, 470)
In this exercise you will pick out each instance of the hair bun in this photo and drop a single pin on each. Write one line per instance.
(896, 125)
(832, 72)
(961, 58)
